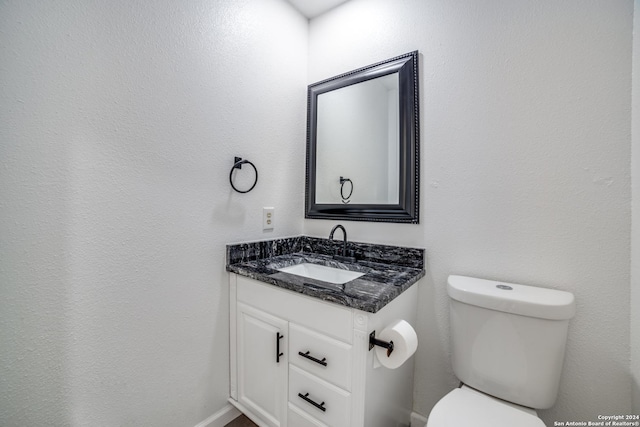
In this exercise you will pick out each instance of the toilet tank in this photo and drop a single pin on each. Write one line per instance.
(508, 340)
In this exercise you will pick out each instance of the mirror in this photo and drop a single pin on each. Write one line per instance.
(363, 144)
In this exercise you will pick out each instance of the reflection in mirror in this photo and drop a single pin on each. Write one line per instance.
(358, 141)
(362, 144)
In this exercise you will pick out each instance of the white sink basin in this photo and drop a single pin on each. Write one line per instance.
(321, 272)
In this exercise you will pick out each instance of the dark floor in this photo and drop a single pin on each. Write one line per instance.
(241, 421)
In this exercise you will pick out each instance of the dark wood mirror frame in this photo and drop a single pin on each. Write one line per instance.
(407, 210)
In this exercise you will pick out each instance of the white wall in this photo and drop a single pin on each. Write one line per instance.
(119, 123)
(635, 230)
(525, 141)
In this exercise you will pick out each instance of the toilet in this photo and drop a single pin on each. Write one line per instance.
(507, 349)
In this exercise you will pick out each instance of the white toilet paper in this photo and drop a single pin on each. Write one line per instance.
(405, 343)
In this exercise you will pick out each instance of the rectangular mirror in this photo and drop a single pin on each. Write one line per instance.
(363, 144)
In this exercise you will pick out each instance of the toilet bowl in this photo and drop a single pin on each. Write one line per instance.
(467, 407)
(507, 349)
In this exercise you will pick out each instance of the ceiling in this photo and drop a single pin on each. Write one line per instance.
(313, 8)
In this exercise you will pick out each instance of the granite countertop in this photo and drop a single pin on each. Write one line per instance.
(388, 270)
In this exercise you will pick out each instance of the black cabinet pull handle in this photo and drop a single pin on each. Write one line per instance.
(306, 355)
(306, 398)
(278, 354)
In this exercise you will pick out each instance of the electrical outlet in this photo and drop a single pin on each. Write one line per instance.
(268, 216)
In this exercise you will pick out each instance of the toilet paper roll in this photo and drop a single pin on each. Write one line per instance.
(405, 343)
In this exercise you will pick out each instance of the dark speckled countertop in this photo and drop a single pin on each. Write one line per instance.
(389, 270)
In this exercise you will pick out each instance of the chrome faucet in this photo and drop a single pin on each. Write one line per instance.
(344, 256)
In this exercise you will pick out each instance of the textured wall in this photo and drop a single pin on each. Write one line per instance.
(119, 121)
(525, 136)
(635, 231)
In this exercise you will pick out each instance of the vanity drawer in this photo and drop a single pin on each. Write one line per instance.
(298, 418)
(322, 356)
(320, 399)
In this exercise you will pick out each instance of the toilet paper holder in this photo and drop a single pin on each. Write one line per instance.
(373, 341)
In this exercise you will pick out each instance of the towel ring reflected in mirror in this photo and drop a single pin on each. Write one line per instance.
(343, 181)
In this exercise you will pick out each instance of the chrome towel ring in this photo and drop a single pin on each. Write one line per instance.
(238, 162)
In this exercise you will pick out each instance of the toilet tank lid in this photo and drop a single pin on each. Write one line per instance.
(512, 298)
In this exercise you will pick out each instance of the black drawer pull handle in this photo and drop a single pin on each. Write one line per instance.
(306, 355)
(307, 399)
(278, 354)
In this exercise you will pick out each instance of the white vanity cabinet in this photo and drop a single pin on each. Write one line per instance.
(262, 365)
(299, 361)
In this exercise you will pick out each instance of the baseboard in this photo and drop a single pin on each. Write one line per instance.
(229, 413)
(418, 420)
(221, 418)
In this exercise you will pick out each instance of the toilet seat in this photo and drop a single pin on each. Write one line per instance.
(468, 407)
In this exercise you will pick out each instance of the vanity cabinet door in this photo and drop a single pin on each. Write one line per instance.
(262, 364)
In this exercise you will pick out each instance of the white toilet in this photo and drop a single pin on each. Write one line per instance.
(507, 349)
